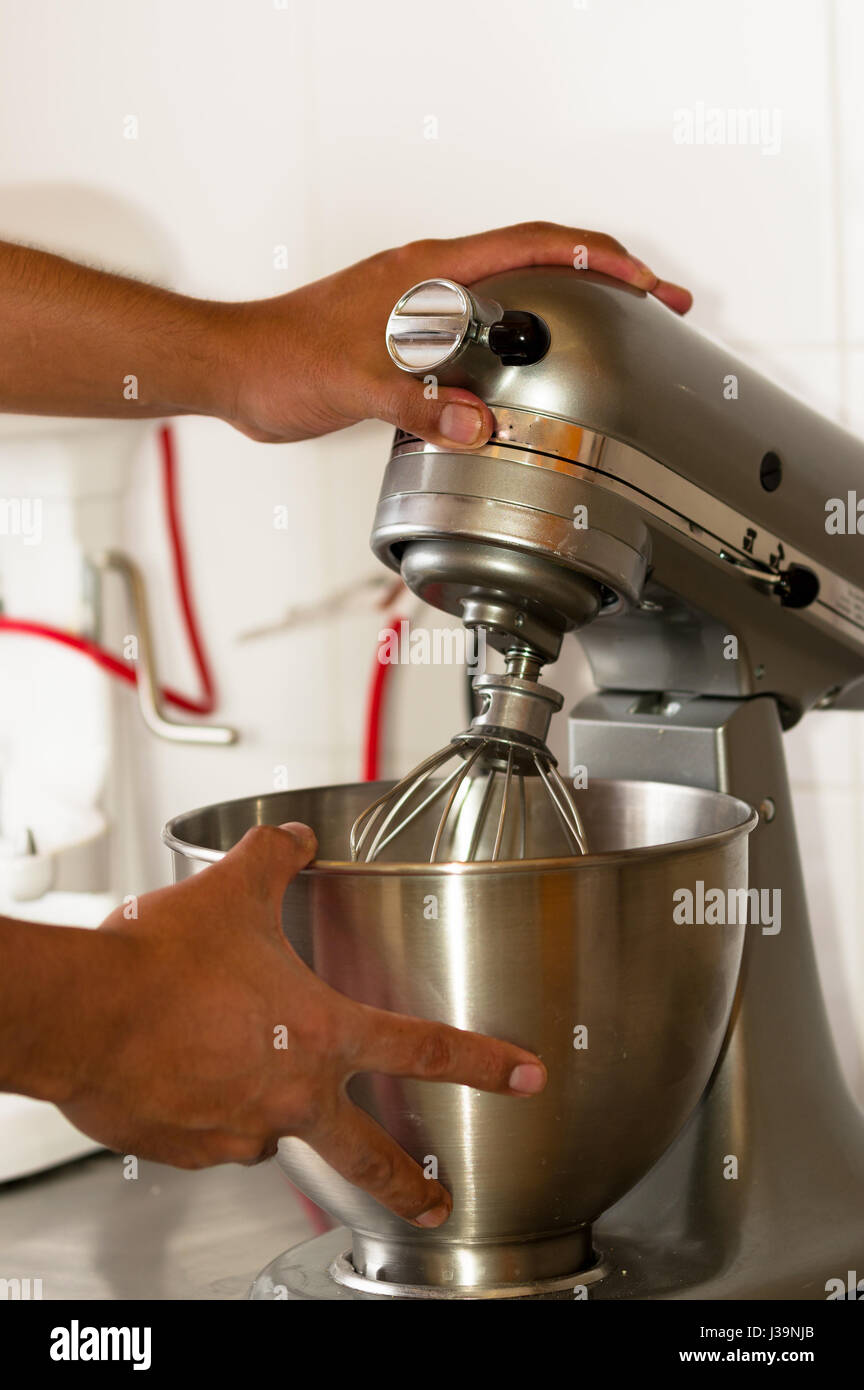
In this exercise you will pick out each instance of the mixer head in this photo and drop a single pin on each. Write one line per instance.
(618, 479)
(478, 807)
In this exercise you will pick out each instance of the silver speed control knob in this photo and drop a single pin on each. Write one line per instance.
(433, 321)
(436, 320)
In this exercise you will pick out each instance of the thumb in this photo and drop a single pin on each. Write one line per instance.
(454, 418)
(270, 857)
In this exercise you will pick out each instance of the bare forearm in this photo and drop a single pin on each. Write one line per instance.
(53, 984)
(77, 341)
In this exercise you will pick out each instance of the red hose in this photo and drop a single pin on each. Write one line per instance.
(110, 663)
(375, 709)
(107, 660)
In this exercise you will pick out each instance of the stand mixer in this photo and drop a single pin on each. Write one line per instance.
(648, 490)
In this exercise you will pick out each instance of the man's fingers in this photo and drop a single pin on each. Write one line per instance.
(270, 856)
(400, 1046)
(549, 243)
(364, 1153)
(674, 296)
(455, 419)
(474, 257)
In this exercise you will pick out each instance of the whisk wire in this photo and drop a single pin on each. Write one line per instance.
(502, 814)
(462, 773)
(382, 840)
(504, 746)
(567, 797)
(482, 813)
(410, 783)
(561, 806)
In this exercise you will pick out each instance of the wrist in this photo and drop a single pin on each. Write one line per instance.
(248, 351)
(59, 1008)
(202, 377)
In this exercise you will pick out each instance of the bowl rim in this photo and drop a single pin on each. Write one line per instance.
(320, 868)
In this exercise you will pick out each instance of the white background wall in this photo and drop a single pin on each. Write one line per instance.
(304, 124)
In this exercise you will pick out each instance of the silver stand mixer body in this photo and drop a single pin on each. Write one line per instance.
(651, 490)
(706, 492)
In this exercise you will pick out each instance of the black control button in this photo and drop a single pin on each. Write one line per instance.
(519, 338)
(798, 587)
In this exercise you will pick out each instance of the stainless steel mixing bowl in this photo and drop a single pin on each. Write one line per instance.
(534, 951)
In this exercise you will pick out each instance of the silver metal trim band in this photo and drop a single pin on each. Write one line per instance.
(544, 442)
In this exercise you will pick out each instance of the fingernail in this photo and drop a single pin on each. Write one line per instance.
(306, 837)
(460, 424)
(436, 1216)
(528, 1079)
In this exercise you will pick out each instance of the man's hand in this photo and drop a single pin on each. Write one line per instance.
(174, 1058)
(316, 360)
(76, 341)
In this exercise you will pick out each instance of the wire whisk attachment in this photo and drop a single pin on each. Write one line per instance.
(502, 798)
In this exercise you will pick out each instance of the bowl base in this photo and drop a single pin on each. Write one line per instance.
(343, 1272)
(323, 1270)
(422, 1262)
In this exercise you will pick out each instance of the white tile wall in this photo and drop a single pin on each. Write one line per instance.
(303, 125)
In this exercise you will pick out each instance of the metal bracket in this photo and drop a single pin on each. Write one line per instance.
(149, 699)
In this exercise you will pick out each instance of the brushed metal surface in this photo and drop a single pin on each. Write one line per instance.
(793, 1217)
(528, 951)
(621, 364)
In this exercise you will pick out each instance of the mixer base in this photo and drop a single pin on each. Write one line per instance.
(321, 1269)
